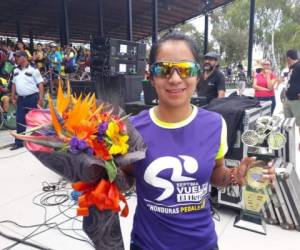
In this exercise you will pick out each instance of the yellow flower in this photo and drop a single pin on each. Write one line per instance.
(119, 142)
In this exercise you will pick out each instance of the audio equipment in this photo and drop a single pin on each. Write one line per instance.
(113, 57)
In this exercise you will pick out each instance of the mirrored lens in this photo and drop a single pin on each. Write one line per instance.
(184, 69)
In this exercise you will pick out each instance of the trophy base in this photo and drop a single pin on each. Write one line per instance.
(251, 222)
(261, 153)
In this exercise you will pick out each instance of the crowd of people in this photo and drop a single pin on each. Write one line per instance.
(45, 57)
(212, 82)
(24, 74)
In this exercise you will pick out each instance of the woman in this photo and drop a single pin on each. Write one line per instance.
(21, 46)
(186, 148)
(39, 57)
(264, 83)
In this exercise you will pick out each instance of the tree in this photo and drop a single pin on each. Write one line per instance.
(191, 30)
(186, 28)
(230, 31)
(277, 28)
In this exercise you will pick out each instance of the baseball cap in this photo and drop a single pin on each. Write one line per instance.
(20, 53)
(293, 54)
(212, 54)
(53, 44)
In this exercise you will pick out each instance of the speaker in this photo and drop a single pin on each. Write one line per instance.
(121, 89)
(150, 95)
(115, 90)
(113, 57)
(84, 87)
(127, 49)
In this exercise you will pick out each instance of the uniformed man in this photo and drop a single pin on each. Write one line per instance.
(27, 91)
(212, 81)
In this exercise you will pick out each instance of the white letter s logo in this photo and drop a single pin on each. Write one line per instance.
(190, 165)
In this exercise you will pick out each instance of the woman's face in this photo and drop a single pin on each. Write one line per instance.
(20, 46)
(266, 65)
(174, 91)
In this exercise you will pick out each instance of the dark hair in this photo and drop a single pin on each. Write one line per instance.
(292, 53)
(258, 70)
(39, 44)
(174, 36)
(20, 41)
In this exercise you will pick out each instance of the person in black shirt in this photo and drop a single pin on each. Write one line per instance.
(212, 82)
(292, 100)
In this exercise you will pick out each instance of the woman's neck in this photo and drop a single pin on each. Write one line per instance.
(172, 115)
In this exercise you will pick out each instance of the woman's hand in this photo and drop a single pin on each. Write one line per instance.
(268, 172)
(246, 162)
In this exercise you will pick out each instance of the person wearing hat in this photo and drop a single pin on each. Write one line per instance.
(212, 81)
(21, 46)
(291, 104)
(258, 68)
(27, 91)
(54, 62)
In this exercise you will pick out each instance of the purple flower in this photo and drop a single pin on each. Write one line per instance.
(74, 142)
(82, 145)
(74, 145)
(102, 128)
(77, 146)
(89, 151)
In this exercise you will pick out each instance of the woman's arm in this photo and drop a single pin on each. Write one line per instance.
(271, 81)
(257, 87)
(221, 174)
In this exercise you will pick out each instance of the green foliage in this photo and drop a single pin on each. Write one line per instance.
(273, 18)
(230, 30)
(111, 170)
(191, 30)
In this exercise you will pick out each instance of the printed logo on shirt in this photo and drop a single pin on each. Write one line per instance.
(189, 194)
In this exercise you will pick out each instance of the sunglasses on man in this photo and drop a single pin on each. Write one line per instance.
(184, 69)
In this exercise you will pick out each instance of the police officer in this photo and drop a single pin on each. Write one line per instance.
(212, 82)
(27, 91)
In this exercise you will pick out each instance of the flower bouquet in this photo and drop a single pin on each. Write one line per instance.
(88, 144)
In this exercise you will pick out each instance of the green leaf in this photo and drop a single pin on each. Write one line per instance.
(111, 170)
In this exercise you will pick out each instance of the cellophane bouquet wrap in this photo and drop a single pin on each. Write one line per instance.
(88, 144)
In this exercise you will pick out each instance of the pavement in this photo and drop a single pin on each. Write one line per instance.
(6, 140)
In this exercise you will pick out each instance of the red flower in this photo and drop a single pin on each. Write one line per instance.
(101, 150)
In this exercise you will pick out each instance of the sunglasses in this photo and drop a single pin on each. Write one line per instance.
(210, 58)
(184, 69)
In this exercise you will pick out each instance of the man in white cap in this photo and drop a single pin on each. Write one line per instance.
(212, 82)
(27, 91)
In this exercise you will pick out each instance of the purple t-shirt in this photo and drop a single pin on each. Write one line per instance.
(172, 182)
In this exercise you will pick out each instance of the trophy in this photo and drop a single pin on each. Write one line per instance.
(263, 142)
